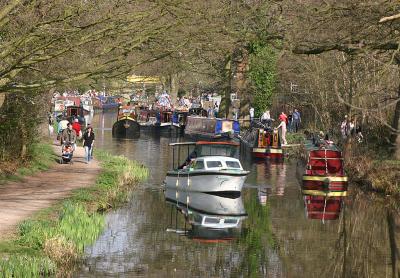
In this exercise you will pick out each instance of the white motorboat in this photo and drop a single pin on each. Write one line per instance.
(87, 105)
(208, 174)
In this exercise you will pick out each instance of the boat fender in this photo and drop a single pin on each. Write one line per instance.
(326, 184)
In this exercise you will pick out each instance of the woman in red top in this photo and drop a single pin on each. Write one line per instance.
(77, 127)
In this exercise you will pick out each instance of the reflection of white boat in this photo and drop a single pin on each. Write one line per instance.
(212, 218)
(206, 203)
(208, 174)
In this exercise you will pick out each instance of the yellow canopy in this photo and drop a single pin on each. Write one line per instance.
(143, 79)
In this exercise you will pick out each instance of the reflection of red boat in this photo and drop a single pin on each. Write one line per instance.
(267, 145)
(324, 174)
(323, 208)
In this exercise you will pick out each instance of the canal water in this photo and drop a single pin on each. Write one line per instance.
(276, 239)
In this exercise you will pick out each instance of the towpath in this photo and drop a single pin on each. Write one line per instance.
(20, 200)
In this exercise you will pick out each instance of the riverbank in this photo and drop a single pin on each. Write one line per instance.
(40, 157)
(369, 171)
(53, 239)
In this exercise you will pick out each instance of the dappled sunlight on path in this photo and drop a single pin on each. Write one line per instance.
(21, 199)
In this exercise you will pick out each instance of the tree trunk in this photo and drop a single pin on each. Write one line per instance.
(396, 125)
(239, 84)
(173, 79)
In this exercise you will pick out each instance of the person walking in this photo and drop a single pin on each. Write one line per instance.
(69, 136)
(77, 127)
(50, 120)
(296, 120)
(88, 142)
(62, 125)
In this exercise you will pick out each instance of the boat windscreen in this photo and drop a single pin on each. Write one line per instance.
(233, 164)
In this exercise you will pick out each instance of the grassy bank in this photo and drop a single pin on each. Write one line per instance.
(54, 240)
(366, 165)
(380, 175)
(40, 157)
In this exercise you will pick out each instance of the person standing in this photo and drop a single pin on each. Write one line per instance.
(88, 141)
(282, 126)
(251, 111)
(296, 120)
(290, 121)
(344, 127)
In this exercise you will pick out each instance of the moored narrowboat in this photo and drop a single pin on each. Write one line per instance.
(126, 126)
(211, 128)
(267, 145)
(323, 172)
(156, 121)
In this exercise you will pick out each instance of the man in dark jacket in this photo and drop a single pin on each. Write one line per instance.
(69, 136)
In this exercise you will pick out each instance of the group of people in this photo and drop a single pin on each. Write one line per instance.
(287, 123)
(349, 128)
(69, 134)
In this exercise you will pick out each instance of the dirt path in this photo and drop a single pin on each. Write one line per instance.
(19, 200)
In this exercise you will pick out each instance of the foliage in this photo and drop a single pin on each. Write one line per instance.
(46, 241)
(262, 73)
(294, 138)
(20, 116)
(40, 157)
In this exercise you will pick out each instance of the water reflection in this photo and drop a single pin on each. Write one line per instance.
(212, 218)
(275, 240)
(322, 208)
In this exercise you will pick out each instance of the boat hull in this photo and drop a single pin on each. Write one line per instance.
(155, 128)
(324, 183)
(268, 153)
(126, 128)
(206, 181)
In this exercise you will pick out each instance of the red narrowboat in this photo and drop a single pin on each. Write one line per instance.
(324, 173)
(268, 145)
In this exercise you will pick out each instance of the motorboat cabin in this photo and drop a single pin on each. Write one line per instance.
(208, 174)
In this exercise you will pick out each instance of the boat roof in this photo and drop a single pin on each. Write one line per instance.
(312, 147)
(217, 143)
(201, 143)
(217, 157)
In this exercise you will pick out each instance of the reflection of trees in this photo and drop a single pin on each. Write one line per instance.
(394, 250)
(356, 245)
(256, 238)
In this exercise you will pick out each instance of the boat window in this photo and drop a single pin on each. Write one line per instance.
(233, 164)
(199, 165)
(214, 164)
(197, 218)
(230, 221)
(211, 220)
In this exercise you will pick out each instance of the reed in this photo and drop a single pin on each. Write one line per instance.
(55, 239)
